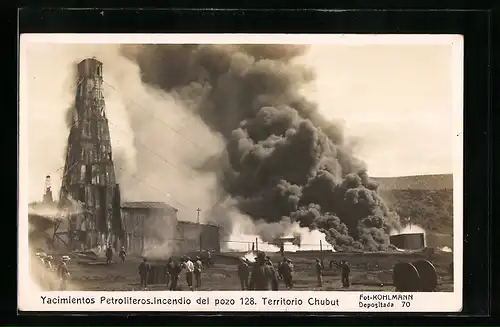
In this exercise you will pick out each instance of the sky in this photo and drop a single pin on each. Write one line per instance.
(394, 101)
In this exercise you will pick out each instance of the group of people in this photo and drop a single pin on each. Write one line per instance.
(173, 270)
(61, 271)
(262, 275)
(259, 276)
(109, 254)
(247, 270)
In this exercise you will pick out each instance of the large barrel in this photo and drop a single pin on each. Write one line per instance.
(406, 277)
(428, 275)
(157, 275)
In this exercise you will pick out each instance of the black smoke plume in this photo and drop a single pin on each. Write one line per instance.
(284, 160)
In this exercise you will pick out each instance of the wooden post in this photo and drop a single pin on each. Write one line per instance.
(201, 248)
(256, 244)
(321, 252)
(142, 233)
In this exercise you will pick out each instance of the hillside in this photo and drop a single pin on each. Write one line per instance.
(418, 182)
(427, 199)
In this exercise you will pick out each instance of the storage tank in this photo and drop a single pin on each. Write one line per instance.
(412, 241)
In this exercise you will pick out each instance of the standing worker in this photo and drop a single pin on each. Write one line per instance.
(264, 277)
(174, 269)
(168, 271)
(109, 254)
(144, 270)
(287, 273)
(63, 272)
(346, 271)
(282, 249)
(197, 271)
(281, 266)
(243, 272)
(122, 254)
(189, 266)
(49, 272)
(319, 272)
(209, 259)
(48, 262)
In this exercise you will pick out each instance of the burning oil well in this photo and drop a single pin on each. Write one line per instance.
(43, 220)
(284, 160)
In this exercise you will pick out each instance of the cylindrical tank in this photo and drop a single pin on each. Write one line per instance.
(406, 277)
(428, 275)
(413, 241)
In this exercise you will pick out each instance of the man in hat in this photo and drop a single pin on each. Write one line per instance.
(63, 272)
(281, 266)
(287, 273)
(243, 272)
(189, 266)
(41, 273)
(167, 271)
(346, 271)
(109, 254)
(319, 272)
(50, 267)
(264, 277)
(48, 262)
(174, 269)
(210, 262)
(269, 262)
(144, 270)
(122, 254)
(197, 271)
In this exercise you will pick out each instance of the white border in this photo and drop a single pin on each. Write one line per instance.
(28, 300)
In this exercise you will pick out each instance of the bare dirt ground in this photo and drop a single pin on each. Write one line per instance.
(369, 272)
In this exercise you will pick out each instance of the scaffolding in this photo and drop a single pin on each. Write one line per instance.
(89, 192)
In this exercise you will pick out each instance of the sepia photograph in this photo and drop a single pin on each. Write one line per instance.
(241, 163)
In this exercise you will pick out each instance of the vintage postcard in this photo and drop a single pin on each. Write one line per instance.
(240, 173)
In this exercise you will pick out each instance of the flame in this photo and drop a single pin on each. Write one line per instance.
(445, 249)
(309, 241)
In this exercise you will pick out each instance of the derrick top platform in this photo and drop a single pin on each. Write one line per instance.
(90, 68)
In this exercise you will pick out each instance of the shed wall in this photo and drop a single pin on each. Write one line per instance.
(409, 241)
(148, 230)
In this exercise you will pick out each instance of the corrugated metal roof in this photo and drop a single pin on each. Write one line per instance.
(147, 205)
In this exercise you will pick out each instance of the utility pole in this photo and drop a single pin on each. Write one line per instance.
(408, 222)
(198, 222)
(321, 252)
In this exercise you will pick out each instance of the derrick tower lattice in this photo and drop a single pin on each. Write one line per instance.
(89, 181)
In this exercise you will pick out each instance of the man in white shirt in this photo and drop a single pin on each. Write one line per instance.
(188, 264)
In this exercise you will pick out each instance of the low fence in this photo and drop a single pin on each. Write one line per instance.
(257, 245)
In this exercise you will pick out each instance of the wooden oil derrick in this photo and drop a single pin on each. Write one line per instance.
(47, 195)
(89, 192)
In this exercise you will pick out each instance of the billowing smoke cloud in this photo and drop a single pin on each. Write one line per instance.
(155, 139)
(284, 161)
(50, 93)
